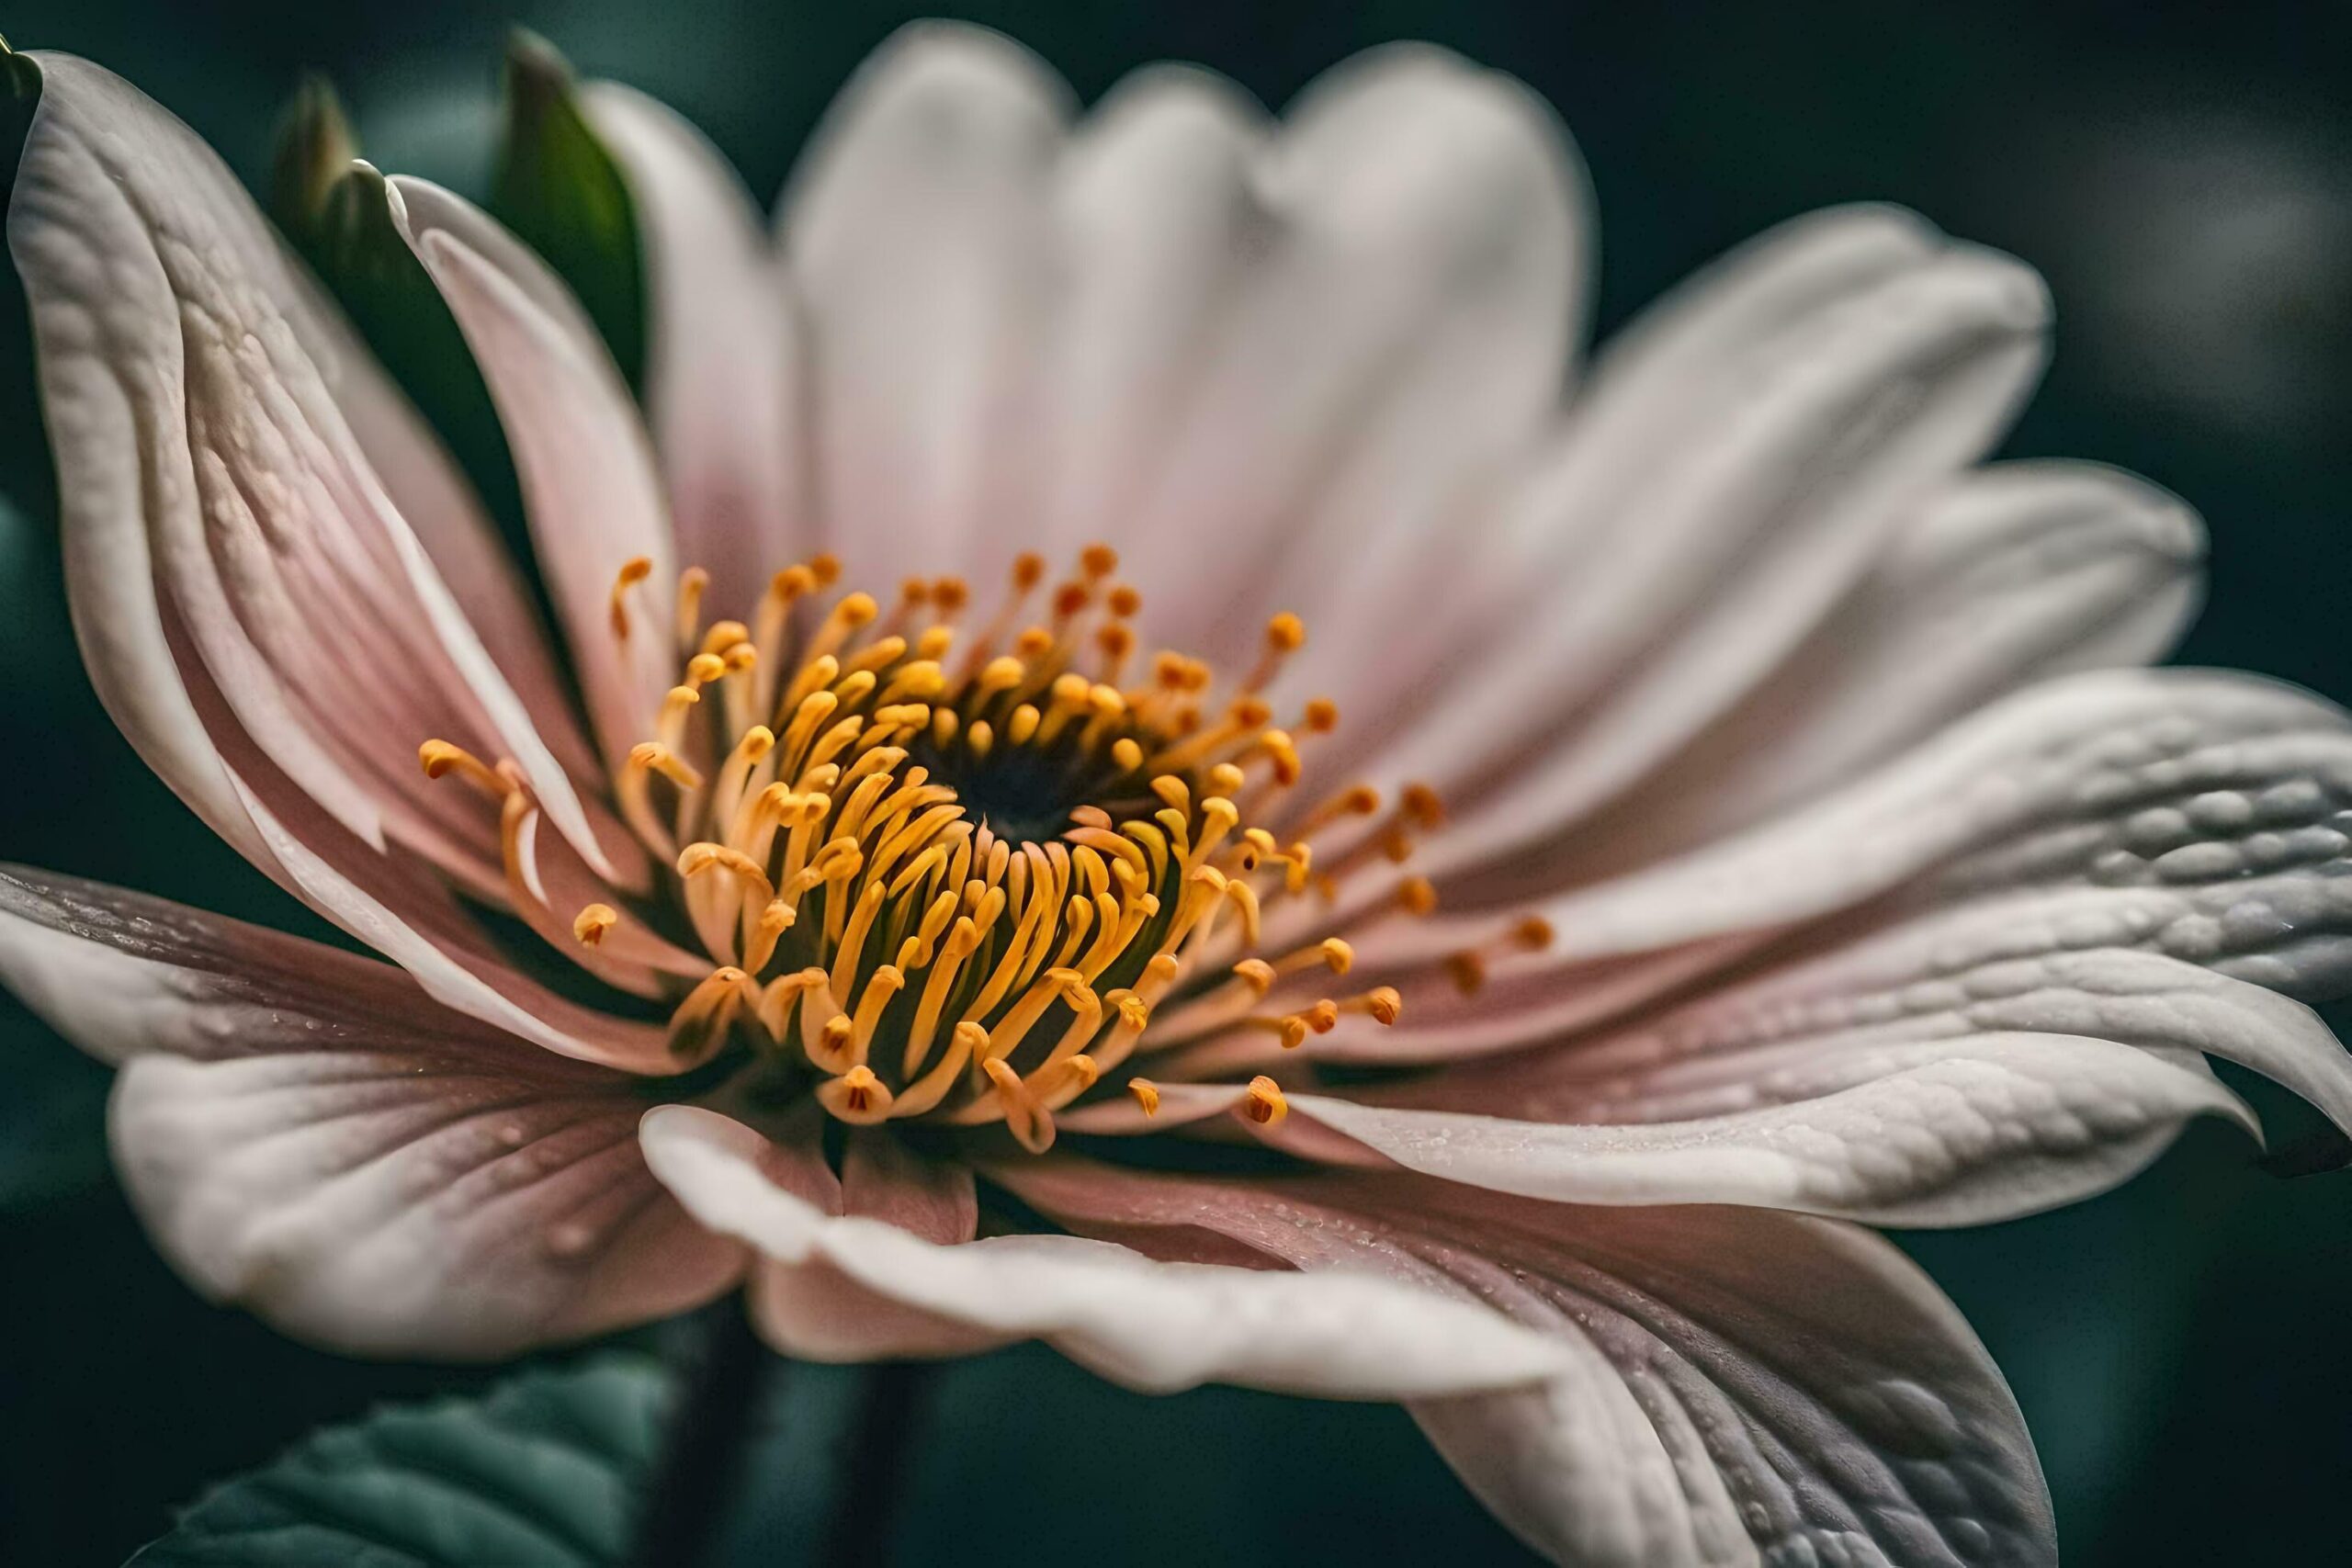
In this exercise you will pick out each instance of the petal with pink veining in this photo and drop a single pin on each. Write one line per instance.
(590, 484)
(307, 1135)
(1742, 1383)
(221, 510)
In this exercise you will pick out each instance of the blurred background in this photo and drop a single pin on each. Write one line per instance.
(2185, 185)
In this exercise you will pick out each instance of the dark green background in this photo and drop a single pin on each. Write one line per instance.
(2186, 186)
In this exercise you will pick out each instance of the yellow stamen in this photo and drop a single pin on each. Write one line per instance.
(1285, 634)
(632, 572)
(967, 890)
(857, 1097)
(1264, 1103)
(692, 584)
(439, 759)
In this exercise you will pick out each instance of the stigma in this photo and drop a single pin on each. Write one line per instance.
(939, 864)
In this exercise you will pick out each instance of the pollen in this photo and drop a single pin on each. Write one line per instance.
(977, 857)
(1264, 1102)
(588, 928)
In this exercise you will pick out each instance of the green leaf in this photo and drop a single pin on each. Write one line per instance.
(557, 187)
(544, 1473)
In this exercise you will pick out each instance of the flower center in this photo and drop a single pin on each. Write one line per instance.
(957, 874)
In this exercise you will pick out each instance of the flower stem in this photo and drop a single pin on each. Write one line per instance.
(874, 1465)
(701, 1466)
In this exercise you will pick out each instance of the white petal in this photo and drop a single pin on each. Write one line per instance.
(589, 481)
(723, 374)
(1630, 618)
(2191, 814)
(920, 230)
(1570, 554)
(1915, 1134)
(2015, 573)
(1743, 1386)
(1170, 325)
(2093, 778)
(1406, 329)
(306, 1134)
(2064, 963)
(223, 525)
(1162, 229)
(1153, 1326)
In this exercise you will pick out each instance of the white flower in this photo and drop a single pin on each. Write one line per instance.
(1808, 855)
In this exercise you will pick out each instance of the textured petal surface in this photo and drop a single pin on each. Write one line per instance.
(2199, 811)
(224, 524)
(722, 385)
(307, 1135)
(1922, 1134)
(1743, 1386)
(2179, 780)
(1151, 1326)
(2066, 963)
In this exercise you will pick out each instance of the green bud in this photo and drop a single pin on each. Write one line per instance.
(315, 148)
(557, 187)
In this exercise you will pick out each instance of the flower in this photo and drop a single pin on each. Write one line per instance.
(1718, 815)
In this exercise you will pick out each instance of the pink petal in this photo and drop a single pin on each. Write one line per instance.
(1402, 330)
(410, 918)
(883, 1180)
(2012, 574)
(2204, 802)
(723, 389)
(2084, 780)
(1296, 342)
(1935, 1132)
(1161, 223)
(307, 1135)
(1739, 1382)
(2074, 963)
(1181, 1104)
(1594, 551)
(1635, 608)
(589, 481)
(851, 1287)
(216, 492)
(918, 231)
